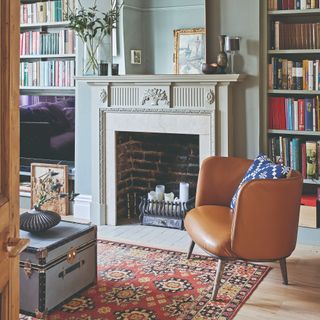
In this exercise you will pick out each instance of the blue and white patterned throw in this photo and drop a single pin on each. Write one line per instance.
(261, 168)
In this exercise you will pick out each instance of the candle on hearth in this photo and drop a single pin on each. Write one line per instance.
(184, 191)
(169, 197)
(160, 191)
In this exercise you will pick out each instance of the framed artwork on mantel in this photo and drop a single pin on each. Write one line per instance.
(189, 50)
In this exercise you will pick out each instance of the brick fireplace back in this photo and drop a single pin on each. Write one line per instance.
(147, 159)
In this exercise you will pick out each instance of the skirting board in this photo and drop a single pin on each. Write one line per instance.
(82, 206)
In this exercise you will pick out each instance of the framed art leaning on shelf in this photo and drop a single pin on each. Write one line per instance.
(50, 180)
(189, 50)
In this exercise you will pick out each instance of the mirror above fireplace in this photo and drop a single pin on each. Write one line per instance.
(145, 42)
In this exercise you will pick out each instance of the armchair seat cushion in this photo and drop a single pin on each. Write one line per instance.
(210, 228)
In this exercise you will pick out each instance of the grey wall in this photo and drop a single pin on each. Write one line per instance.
(240, 18)
(149, 26)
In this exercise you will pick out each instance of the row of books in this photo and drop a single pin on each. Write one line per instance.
(294, 114)
(293, 75)
(36, 42)
(292, 4)
(300, 155)
(295, 35)
(55, 73)
(46, 11)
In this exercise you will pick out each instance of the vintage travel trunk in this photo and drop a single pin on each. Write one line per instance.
(56, 265)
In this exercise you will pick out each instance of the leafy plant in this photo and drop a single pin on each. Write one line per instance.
(92, 26)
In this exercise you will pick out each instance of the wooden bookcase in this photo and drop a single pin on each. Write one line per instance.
(289, 50)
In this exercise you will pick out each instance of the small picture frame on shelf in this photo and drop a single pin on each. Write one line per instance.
(189, 50)
(44, 181)
(136, 56)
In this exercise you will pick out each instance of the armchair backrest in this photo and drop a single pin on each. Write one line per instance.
(218, 180)
(266, 218)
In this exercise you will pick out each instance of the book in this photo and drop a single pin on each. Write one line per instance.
(301, 114)
(311, 159)
(308, 114)
(303, 160)
(299, 75)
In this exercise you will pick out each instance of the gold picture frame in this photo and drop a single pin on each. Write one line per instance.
(38, 186)
(189, 50)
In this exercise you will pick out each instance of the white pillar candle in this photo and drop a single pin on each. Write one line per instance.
(160, 191)
(184, 191)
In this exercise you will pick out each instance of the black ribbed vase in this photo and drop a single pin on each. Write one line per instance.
(38, 221)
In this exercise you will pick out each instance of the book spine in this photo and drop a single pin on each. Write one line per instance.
(289, 79)
(301, 114)
(318, 158)
(311, 159)
(308, 114)
(303, 161)
(299, 75)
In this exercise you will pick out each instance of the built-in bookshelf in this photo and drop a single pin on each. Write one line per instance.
(47, 57)
(47, 48)
(293, 96)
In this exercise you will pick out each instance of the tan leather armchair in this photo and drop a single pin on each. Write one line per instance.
(262, 227)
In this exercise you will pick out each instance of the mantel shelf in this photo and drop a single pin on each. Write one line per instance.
(163, 78)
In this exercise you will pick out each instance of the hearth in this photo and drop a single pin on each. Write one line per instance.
(144, 160)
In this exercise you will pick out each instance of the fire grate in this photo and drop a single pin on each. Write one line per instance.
(164, 214)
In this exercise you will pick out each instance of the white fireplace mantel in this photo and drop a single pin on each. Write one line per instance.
(184, 104)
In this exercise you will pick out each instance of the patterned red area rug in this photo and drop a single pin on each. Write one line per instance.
(139, 283)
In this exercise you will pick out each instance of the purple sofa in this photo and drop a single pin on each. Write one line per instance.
(47, 130)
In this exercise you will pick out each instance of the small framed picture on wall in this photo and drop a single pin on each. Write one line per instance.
(135, 56)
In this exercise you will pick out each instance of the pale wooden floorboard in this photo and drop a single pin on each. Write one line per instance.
(300, 300)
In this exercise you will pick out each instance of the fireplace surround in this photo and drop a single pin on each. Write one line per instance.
(197, 105)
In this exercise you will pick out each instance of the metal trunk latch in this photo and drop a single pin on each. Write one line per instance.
(28, 269)
(71, 255)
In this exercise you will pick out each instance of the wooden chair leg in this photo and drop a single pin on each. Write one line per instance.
(283, 267)
(217, 279)
(190, 249)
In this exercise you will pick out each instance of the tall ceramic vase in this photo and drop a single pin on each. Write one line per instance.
(222, 58)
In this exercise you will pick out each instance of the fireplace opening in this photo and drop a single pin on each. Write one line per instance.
(145, 160)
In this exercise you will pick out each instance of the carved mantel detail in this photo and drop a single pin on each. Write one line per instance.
(210, 96)
(103, 95)
(155, 95)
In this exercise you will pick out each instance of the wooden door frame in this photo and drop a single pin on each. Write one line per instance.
(9, 136)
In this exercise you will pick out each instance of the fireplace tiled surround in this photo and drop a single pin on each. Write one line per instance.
(198, 105)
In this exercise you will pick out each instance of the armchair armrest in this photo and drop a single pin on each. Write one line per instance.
(266, 218)
(218, 180)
